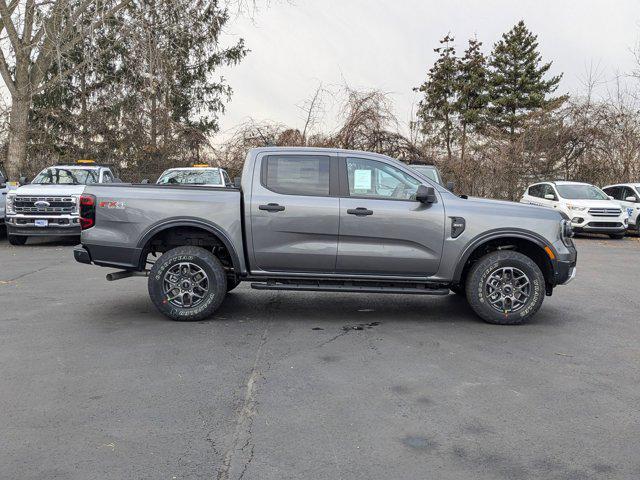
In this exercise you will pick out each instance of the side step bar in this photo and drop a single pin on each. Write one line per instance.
(320, 287)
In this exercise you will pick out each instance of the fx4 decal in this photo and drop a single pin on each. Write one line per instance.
(118, 205)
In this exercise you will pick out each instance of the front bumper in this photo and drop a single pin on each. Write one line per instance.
(565, 272)
(584, 222)
(43, 231)
(64, 225)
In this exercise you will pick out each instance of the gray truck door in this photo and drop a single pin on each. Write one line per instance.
(294, 213)
(383, 229)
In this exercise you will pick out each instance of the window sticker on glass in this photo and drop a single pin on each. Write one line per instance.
(362, 180)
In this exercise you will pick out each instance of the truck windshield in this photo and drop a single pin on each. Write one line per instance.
(428, 171)
(74, 176)
(581, 192)
(191, 177)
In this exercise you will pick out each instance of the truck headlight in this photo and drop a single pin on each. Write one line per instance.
(10, 208)
(566, 232)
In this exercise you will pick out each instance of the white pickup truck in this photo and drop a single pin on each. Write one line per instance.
(49, 205)
(199, 174)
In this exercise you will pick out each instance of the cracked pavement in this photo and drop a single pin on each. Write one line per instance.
(95, 384)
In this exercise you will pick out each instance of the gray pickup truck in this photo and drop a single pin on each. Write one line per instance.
(326, 220)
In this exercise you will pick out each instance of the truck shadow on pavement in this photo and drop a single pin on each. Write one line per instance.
(326, 309)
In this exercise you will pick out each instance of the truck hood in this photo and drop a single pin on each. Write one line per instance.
(516, 208)
(55, 189)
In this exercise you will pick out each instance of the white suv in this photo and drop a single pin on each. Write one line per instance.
(588, 207)
(628, 196)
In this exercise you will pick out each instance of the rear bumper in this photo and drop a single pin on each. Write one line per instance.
(82, 255)
(108, 256)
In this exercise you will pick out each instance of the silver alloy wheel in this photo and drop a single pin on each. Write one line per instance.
(507, 289)
(185, 285)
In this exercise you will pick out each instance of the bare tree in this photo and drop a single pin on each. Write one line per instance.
(35, 34)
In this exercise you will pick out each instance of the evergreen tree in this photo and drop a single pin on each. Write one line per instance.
(141, 89)
(437, 109)
(472, 96)
(517, 84)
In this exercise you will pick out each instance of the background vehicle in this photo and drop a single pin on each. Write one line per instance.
(429, 171)
(4, 189)
(628, 196)
(196, 175)
(326, 220)
(588, 207)
(50, 204)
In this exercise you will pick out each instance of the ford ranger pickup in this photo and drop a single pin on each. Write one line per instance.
(311, 219)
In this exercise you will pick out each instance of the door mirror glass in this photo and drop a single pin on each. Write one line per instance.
(451, 186)
(631, 199)
(426, 194)
(22, 180)
(550, 196)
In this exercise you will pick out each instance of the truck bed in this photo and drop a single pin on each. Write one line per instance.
(127, 215)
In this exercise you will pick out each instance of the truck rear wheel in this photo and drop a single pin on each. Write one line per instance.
(505, 287)
(17, 239)
(187, 283)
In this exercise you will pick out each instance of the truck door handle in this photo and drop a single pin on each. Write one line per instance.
(360, 211)
(271, 207)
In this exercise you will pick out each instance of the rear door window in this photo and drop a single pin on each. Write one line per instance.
(535, 191)
(297, 174)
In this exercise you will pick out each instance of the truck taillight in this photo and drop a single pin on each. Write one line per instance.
(87, 211)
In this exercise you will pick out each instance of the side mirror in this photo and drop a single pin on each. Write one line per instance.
(426, 194)
(610, 197)
(22, 180)
(145, 181)
(550, 196)
(237, 181)
(451, 186)
(631, 199)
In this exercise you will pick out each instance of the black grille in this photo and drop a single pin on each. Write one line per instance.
(605, 224)
(45, 205)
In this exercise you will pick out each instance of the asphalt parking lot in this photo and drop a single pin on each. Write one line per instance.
(95, 384)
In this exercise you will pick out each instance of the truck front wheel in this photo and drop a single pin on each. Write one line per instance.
(505, 287)
(187, 283)
(17, 239)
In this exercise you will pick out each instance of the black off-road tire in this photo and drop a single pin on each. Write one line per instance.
(616, 236)
(217, 283)
(17, 239)
(480, 272)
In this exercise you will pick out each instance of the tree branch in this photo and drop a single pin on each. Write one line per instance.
(5, 14)
(6, 74)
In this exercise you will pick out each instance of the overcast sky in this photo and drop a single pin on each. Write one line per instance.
(388, 45)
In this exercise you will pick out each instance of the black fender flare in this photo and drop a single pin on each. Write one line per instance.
(192, 222)
(502, 233)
